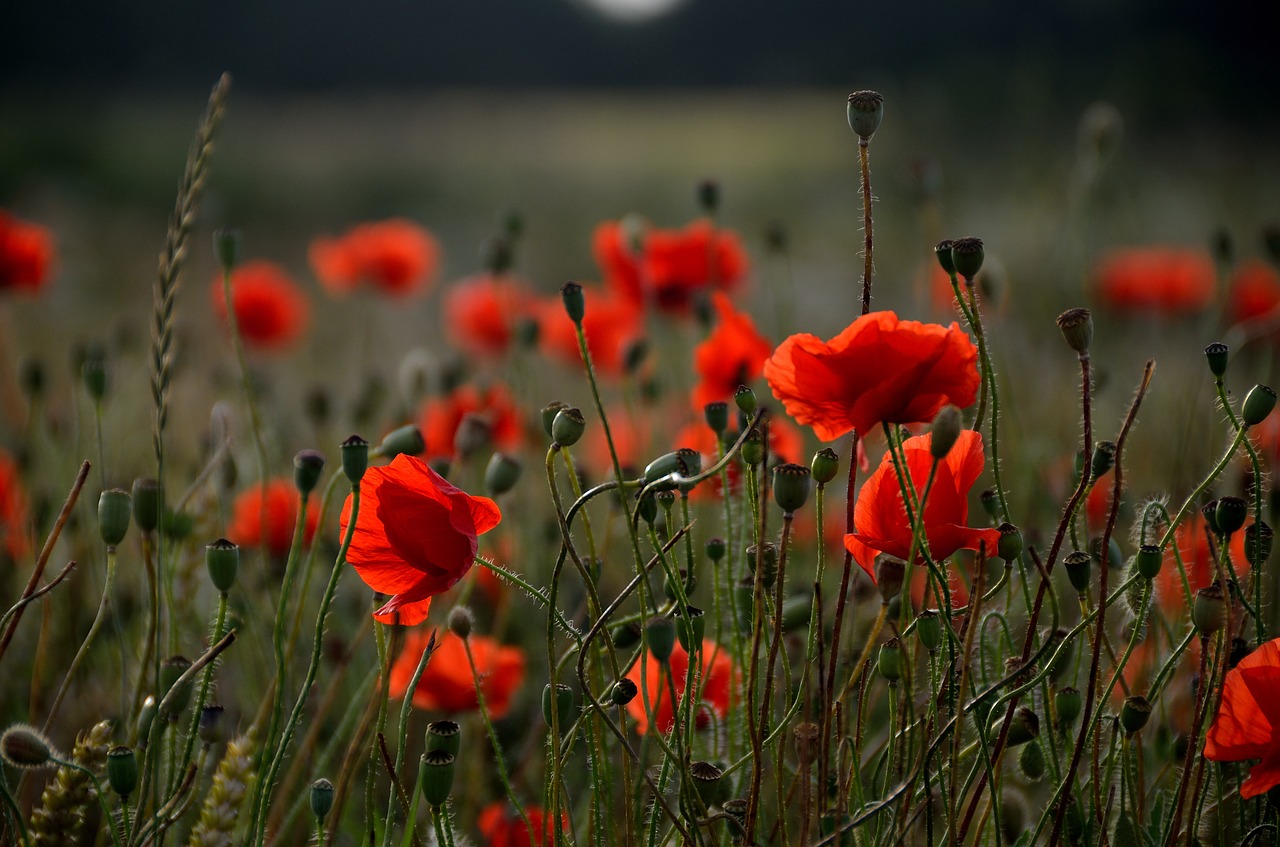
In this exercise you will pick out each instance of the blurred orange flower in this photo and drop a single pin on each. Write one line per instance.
(1247, 725)
(1192, 541)
(719, 681)
(271, 311)
(481, 312)
(280, 513)
(1254, 291)
(502, 826)
(1155, 280)
(447, 684)
(672, 266)
(26, 254)
(13, 510)
(396, 256)
(611, 323)
(732, 355)
(440, 417)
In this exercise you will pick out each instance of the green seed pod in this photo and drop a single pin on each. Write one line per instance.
(147, 504)
(406, 439)
(307, 466)
(321, 798)
(662, 467)
(226, 246)
(623, 692)
(929, 630)
(115, 508)
(24, 746)
(790, 487)
(1258, 404)
(444, 735)
(1009, 547)
(865, 110)
(222, 559)
(890, 572)
(690, 628)
(211, 725)
(1149, 561)
(1134, 713)
(460, 621)
(745, 399)
(1104, 458)
(435, 772)
(355, 458)
(767, 563)
(1231, 514)
(1078, 570)
(626, 635)
(1032, 762)
(1210, 513)
(171, 669)
(825, 465)
(647, 506)
(944, 432)
(122, 770)
(967, 255)
(1024, 727)
(1077, 329)
(716, 548)
(568, 426)
(708, 782)
(575, 306)
(1257, 543)
(1209, 612)
(753, 448)
(502, 474)
(1216, 354)
(1068, 703)
(1073, 821)
(549, 413)
(890, 663)
(660, 638)
(942, 251)
(560, 699)
(717, 416)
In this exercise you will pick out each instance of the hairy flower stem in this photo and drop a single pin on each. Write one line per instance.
(864, 159)
(493, 738)
(103, 605)
(1193, 743)
(824, 745)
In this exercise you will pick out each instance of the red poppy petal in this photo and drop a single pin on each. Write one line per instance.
(863, 554)
(1262, 777)
(404, 612)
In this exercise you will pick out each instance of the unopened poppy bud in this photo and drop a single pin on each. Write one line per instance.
(691, 627)
(574, 304)
(1067, 704)
(549, 413)
(717, 416)
(929, 630)
(222, 559)
(460, 621)
(796, 611)
(1257, 543)
(1024, 727)
(444, 735)
(753, 448)
(441, 465)
(568, 426)
(557, 705)
(502, 474)
(1078, 569)
(1209, 612)
(990, 501)
(890, 663)
(1149, 561)
(825, 465)
(767, 562)
(94, 375)
(1134, 713)
(146, 715)
(1032, 763)
(1231, 514)
(709, 196)
(1077, 329)
(663, 466)
(147, 499)
(647, 508)
(790, 486)
(942, 251)
(307, 466)
(24, 746)
(226, 246)
(1104, 458)
(436, 776)
(626, 635)
(660, 638)
(1258, 404)
(716, 548)
(745, 399)
(473, 435)
(321, 798)
(890, 571)
(114, 511)
(210, 728)
(1009, 547)
(866, 110)
(355, 458)
(967, 255)
(623, 692)
(405, 440)
(122, 770)
(1216, 354)
(708, 780)
(944, 432)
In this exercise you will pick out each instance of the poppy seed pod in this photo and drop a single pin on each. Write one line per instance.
(691, 627)
(1209, 611)
(557, 705)
(115, 508)
(321, 798)
(790, 487)
(406, 439)
(147, 500)
(967, 255)
(717, 416)
(1216, 354)
(1258, 404)
(307, 466)
(929, 630)
(222, 559)
(1210, 513)
(1009, 547)
(660, 638)
(825, 465)
(1104, 458)
(1077, 329)
(355, 458)
(575, 305)
(1134, 713)
(865, 111)
(210, 727)
(226, 246)
(1078, 569)
(1149, 561)
(1067, 704)
(1230, 514)
(444, 735)
(716, 548)
(623, 692)
(122, 770)
(942, 251)
(435, 772)
(890, 571)
(502, 474)
(567, 426)
(707, 781)
(890, 662)
(549, 413)
(745, 399)
(753, 448)
(1257, 543)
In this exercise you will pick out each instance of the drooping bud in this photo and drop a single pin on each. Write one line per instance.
(825, 465)
(1032, 763)
(1024, 727)
(790, 486)
(967, 255)
(568, 426)
(1134, 713)
(660, 638)
(115, 507)
(355, 458)
(1217, 355)
(1258, 404)
(944, 432)
(122, 770)
(865, 110)
(1077, 329)
(623, 692)
(222, 559)
(502, 474)
(24, 746)
(307, 466)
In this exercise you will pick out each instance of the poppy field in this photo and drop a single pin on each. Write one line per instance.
(677, 552)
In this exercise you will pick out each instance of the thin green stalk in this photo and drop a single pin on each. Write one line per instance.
(103, 605)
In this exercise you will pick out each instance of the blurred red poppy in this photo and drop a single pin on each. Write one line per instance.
(732, 355)
(481, 312)
(447, 684)
(26, 255)
(440, 417)
(880, 515)
(502, 826)
(13, 510)
(280, 513)
(1254, 292)
(618, 247)
(670, 267)
(880, 369)
(271, 310)
(719, 682)
(1247, 725)
(1192, 541)
(1155, 280)
(611, 322)
(631, 438)
(396, 256)
(415, 535)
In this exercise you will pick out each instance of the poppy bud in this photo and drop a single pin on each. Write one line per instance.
(501, 474)
(1104, 458)
(825, 465)
(690, 628)
(1257, 543)
(1148, 561)
(473, 435)
(1009, 547)
(549, 413)
(1078, 571)
(1077, 329)
(355, 458)
(574, 304)
(707, 781)
(1134, 713)
(146, 715)
(147, 498)
(753, 448)
(171, 670)
(660, 638)
(211, 724)
(866, 110)
(1073, 821)
(114, 511)
(1216, 354)
(967, 255)
(890, 572)
(24, 746)
(436, 776)
(768, 562)
(942, 251)
(990, 503)
(1024, 727)
(790, 486)
(1031, 762)
(929, 630)
(1258, 404)
(647, 508)
(623, 692)
(321, 798)
(559, 698)
(122, 770)
(1231, 513)
(307, 465)
(716, 548)
(944, 432)
(709, 196)
(444, 735)
(460, 621)
(1209, 612)
(94, 375)
(406, 439)
(890, 663)
(567, 427)
(226, 246)
(222, 559)
(745, 399)
(527, 331)
(1067, 703)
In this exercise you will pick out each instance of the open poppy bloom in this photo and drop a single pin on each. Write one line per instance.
(481, 312)
(1247, 725)
(1155, 280)
(671, 266)
(26, 255)
(732, 355)
(610, 322)
(502, 826)
(281, 514)
(415, 535)
(441, 415)
(396, 256)
(879, 370)
(880, 515)
(447, 684)
(271, 311)
(719, 680)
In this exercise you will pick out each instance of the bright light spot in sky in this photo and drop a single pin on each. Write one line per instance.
(632, 11)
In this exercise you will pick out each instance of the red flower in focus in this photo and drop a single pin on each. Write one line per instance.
(271, 311)
(481, 312)
(415, 535)
(503, 826)
(1192, 541)
(13, 510)
(396, 256)
(880, 369)
(447, 684)
(26, 255)
(441, 415)
(719, 680)
(1254, 292)
(611, 322)
(672, 266)
(1155, 280)
(880, 516)
(280, 513)
(731, 355)
(1247, 725)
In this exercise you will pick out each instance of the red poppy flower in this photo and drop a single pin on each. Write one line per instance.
(672, 266)
(502, 826)
(1255, 291)
(481, 312)
(280, 513)
(731, 355)
(1192, 541)
(880, 516)
(1247, 725)
(880, 369)
(618, 252)
(397, 256)
(1155, 280)
(271, 311)
(26, 255)
(415, 535)
(13, 510)
(447, 684)
(611, 322)
(441, 415)
(1097, 506)
(719, 682)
